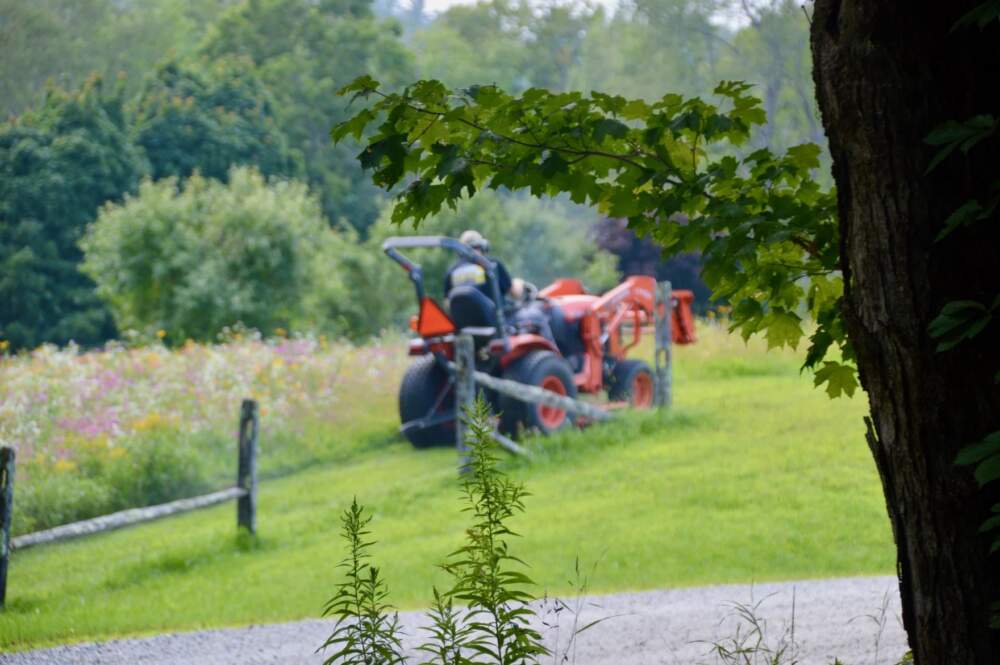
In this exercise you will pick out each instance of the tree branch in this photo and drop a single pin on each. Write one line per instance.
(527, 144)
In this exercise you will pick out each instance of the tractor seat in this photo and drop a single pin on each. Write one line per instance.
(477, 331)
(470, 308)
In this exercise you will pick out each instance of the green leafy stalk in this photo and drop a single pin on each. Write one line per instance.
(366, 632)
(497, 622)
(448, 636)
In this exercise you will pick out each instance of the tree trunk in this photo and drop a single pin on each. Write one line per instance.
(887, 72)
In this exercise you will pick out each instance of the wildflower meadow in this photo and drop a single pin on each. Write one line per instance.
(124, 427)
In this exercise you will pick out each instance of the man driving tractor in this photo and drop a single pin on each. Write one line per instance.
(465, 275)
(515, 341)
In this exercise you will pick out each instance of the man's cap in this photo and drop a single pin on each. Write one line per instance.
(474, 239)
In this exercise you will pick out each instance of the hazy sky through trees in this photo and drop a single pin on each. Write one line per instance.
(732, 16)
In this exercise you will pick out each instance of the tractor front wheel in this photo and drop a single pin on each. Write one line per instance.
(631, 381)
(427, 404)
(545, 370)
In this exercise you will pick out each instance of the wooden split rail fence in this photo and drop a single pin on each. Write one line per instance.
(467, 377)
(244, 493)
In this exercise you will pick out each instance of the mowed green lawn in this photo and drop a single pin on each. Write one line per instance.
(754, 475)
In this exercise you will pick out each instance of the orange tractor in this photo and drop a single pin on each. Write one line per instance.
(559, 338)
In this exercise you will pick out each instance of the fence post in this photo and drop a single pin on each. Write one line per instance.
(246, 477)
(465, 393)
(6, 512)
(663, 393)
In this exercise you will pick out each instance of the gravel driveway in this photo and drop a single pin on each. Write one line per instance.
(848, 618)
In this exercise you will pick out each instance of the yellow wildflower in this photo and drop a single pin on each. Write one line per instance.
(63, 465)
(150, 421)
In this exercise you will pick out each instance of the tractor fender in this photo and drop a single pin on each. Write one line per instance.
(521, 345)
(443, 346)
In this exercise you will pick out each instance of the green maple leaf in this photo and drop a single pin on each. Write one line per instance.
(783, 327)
(805, 156)
(840, 379)
(609, 127)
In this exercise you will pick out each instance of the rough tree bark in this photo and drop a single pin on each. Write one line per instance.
(887, 72)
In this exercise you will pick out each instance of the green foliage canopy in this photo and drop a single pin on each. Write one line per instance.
(513, 44)
(57, 166)
(304, 51)
(767, 231)
(193, 260)
(209, 121)
(640, 48)
(66, 41)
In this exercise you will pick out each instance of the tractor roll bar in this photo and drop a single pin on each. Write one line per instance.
(436, 241)
(393, 244)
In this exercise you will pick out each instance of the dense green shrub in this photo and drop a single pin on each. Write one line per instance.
(58, 165)
(192, 260)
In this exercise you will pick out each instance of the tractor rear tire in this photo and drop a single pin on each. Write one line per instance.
(422, 385)
(546, 370)
(632, 381)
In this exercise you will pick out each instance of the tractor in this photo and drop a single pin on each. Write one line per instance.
(560, 338)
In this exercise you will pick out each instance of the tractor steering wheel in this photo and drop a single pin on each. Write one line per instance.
(528, 294)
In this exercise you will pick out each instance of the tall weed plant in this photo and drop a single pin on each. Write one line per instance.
(367, 630)
(493, 624)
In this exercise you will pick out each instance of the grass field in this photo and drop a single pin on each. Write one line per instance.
(753, 475)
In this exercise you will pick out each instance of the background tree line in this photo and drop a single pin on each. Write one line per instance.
(104, 94)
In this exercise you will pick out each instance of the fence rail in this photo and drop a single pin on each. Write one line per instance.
(124, 518)
(244, 492)
(537, 395)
